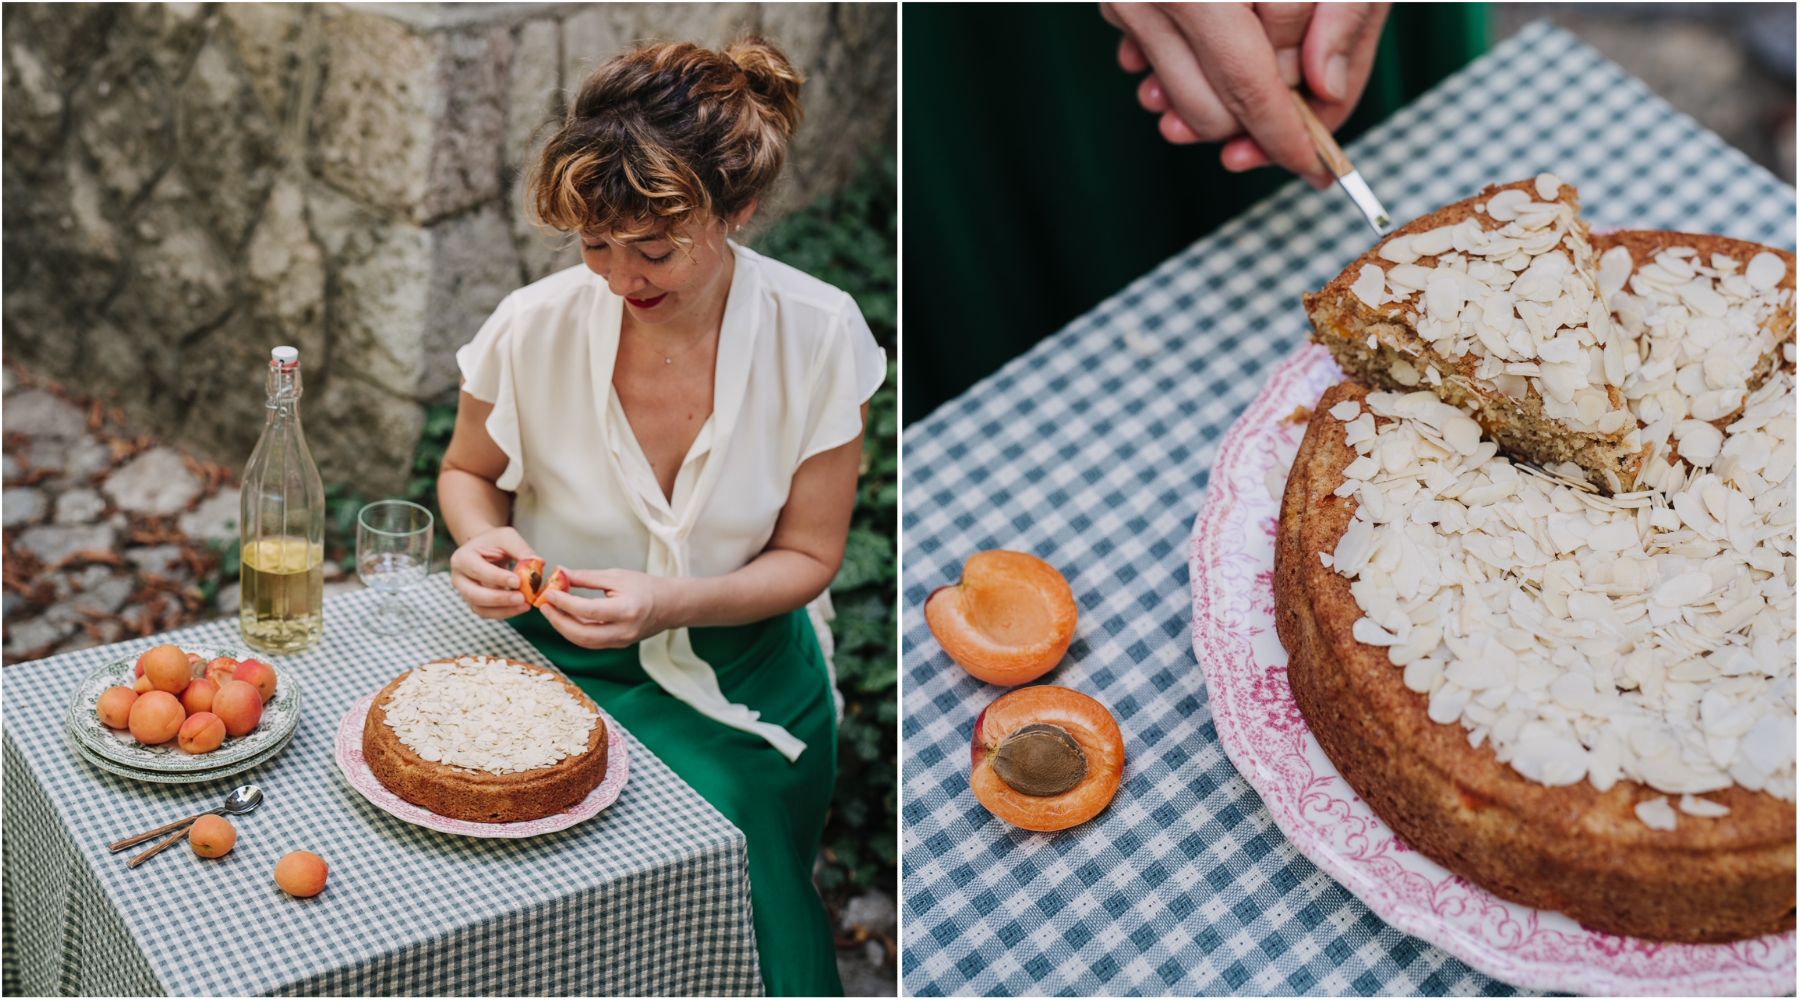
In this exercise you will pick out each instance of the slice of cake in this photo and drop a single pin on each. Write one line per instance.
(486, 739)
(1493, 304)
(1709, 320)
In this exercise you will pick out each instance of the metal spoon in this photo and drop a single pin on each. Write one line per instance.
(241, 800)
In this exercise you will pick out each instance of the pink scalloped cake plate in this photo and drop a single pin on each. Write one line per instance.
(349, 753)
(1232, 567)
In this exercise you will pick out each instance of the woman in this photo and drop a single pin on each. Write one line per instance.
(679, 421)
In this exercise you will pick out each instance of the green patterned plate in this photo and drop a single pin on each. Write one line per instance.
(174, 778)
(280, 715)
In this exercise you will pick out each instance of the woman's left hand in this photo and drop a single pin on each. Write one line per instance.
(631, 610)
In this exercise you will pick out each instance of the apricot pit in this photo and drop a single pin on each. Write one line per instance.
(1046, 758)
(1008, 621)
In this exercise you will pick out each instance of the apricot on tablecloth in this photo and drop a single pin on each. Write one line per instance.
(115, 706)
(1008, 621)
(1046, 758)
(212, 836)
(155, 717)
(301, 874)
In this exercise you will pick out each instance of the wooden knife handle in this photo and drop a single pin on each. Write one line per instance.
(138, 839)
(166, 842)
(1330, 153)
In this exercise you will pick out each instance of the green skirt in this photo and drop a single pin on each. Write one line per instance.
(774, 666)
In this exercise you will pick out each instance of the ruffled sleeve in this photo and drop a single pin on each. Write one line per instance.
(851, 368)
(488, 366)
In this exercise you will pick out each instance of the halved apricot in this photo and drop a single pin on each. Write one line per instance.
(1010, 619)
(531, 579)
(1046, 758)
(559, 581)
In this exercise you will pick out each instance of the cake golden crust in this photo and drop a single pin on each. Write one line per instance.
(1571, 848)
(483, 796)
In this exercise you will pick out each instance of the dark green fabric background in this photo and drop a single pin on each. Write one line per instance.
(1035, 186)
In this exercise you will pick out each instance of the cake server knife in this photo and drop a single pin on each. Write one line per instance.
(1348, 178)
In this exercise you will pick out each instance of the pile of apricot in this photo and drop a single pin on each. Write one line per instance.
(1044, 758)
(197, 704)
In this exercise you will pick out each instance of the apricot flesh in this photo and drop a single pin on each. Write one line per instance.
(1008, 621)
(115, 706)
(155, 717)
(531, 580)
(301, 874)
(201, 733)
(240, 706)
(220, 670)
(1046, 758)
(167, 667)
(559, 581)
(212, 836)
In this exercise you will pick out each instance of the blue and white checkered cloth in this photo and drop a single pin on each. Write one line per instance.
(652, 896)
(1093, 450)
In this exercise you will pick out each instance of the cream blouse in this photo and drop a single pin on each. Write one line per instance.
(795, 363)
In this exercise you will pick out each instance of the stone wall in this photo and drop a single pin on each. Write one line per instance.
(186, 186)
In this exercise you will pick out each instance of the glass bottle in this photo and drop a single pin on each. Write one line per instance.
(283, 525)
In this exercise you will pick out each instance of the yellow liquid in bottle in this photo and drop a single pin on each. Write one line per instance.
(283, 581)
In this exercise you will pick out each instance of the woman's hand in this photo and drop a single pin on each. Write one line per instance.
(479, 573)
(1222, 72)
(636, 606)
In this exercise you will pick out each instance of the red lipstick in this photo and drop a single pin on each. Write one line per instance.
(647, 303)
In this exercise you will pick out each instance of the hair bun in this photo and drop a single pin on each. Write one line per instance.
(773, 81)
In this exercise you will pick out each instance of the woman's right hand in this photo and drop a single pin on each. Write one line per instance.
(480, 571)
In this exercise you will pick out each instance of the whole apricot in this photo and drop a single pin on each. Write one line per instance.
(212, 836)
(198, 697)
(220, 669)
(155, 717)
(301, 874)
(202, 732)
(240, 706)
(261, 675)
(141, 685)
(1046, 758)
(115, 706)
(167, 668)
(1008, 621)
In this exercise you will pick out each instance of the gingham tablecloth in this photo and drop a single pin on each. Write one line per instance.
(652, 896)
(1093, 450)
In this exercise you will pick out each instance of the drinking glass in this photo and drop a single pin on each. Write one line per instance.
(393, 552)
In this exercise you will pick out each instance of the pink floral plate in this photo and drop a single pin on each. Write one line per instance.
(1231, 564)
(349, 753)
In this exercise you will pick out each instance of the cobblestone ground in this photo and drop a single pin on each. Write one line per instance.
(110, 535)
(1729, 65)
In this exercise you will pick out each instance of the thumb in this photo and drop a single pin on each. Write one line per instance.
(1339, 48)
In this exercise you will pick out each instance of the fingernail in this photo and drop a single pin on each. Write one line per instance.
(1287, 63)
(1337, 77)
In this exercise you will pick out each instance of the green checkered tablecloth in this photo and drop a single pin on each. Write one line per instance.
(650, 897)
(1093, 450)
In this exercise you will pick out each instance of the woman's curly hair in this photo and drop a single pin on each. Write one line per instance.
(666, 134)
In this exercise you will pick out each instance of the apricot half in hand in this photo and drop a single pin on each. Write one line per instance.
(1046, 758)
(1010, 619)
(534, 585)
